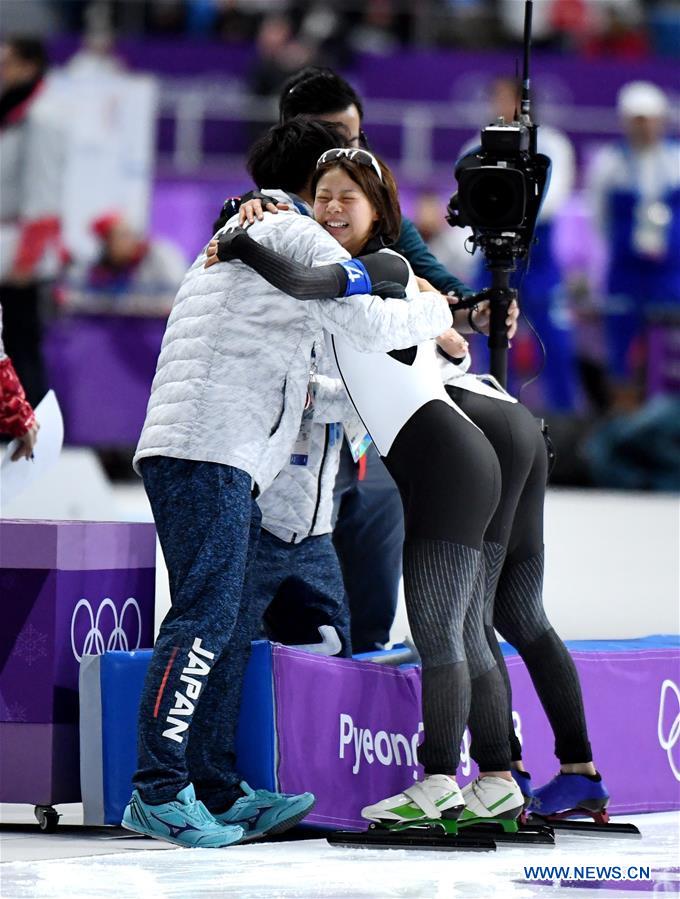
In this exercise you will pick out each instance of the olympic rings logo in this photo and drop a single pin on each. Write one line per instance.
(669, 742)
(95, 643)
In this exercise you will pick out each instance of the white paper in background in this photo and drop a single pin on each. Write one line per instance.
(16, 476)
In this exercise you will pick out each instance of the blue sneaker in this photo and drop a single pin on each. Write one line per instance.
(523, 781)
(185, 821)
(261, 812)
(570, 795)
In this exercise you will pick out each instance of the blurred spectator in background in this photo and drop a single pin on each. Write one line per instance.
(166, 16)
(634, 187)
(17, 417)
(71, 12)
(377, 30)
(618, 33)
(97, 54)
(446, 243)
(131, 273)
(32, 147)
(547, 18)
(596, 27)
(542, 297)
(279, 54)
(622, 28)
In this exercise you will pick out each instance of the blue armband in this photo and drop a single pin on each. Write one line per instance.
(358, 279)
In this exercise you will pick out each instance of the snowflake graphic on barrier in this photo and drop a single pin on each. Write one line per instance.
(17, 712)
(31, 645)
(13, 711)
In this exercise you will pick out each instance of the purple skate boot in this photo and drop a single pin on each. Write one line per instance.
(569, 796)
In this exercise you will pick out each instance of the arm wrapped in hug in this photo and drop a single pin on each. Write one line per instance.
(380, 274)
(233, 204)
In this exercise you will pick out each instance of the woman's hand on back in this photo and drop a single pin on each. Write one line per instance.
(453, 344)
(252, 209)
(211, 254)
(424, 285)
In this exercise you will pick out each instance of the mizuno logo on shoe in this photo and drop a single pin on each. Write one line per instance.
(193, 676)
(174, 830)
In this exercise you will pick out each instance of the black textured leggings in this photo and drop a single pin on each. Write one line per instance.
(511, 600)
(449, 479)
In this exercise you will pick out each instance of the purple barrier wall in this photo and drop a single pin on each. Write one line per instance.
(68, 588)
(93, 356)
(347, 730)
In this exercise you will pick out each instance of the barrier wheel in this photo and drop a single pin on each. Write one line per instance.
(47, 818)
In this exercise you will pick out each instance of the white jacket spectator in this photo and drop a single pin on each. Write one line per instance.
(32, 148)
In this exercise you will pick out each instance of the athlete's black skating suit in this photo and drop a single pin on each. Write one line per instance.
(471, 467)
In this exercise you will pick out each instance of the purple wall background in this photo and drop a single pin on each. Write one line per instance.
(184, 207)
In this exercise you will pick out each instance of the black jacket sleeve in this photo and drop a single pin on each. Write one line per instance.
(387, 273)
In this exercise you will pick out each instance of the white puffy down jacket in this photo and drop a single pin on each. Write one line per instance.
(299, 503)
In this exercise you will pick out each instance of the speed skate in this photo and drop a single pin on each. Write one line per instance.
(566, 800)
(436, 814)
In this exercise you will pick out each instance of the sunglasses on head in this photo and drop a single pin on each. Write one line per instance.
(363, 157)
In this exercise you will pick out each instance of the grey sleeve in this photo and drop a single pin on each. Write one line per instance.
(374, 325)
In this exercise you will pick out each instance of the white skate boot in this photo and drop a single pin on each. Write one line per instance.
(491, 799)
(435, 799)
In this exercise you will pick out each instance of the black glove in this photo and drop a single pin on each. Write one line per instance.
(233, 204)
(226, 245)
(230, 208)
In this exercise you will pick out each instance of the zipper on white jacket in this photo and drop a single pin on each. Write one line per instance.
(279, 418)
(318, 482)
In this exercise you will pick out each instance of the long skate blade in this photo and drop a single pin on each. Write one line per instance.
(537, 833)
(588, 828)
(412, 838)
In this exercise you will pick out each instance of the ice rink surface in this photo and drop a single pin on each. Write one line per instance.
(87, 863)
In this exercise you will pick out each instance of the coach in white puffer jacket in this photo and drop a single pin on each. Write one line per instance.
(226, 404)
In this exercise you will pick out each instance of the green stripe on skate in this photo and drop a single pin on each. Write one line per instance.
(467, 814)
(412, 811)
(500, 801)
